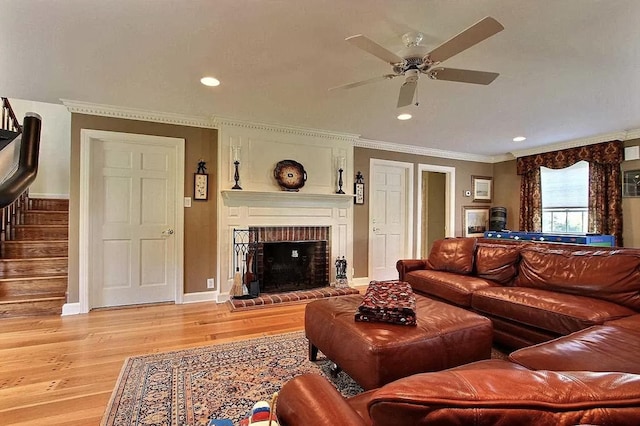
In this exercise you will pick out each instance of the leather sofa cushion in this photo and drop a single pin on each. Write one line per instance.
(560, 313)
(497, 263)
(452, 255)
(598, 348)
(449, 286)
(632, 322)
(503, 393)
(609, 275)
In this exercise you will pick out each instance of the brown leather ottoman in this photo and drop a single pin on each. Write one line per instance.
(374, 354)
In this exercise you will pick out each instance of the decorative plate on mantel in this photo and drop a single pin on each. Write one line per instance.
(290, 175)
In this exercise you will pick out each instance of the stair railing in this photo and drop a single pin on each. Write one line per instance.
(17, 176)
(9, 119)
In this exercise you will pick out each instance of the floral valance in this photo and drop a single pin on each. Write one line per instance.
(601, 153)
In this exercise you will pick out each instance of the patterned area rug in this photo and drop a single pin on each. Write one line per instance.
(302, 296)
(223, 381)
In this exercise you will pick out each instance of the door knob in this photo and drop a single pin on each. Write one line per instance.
(167, 232)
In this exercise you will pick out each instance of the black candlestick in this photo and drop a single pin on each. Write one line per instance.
(236, 175)
(340, 191)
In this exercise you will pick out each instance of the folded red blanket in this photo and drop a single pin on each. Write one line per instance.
(388, 301)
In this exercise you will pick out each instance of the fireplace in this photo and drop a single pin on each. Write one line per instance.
(290, 258)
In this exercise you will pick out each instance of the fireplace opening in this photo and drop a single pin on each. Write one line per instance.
(293, 265)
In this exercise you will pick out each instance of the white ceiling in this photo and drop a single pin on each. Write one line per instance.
(569, 69)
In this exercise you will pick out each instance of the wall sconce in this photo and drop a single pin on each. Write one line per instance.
(236, 162)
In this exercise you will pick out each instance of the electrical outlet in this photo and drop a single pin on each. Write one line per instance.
(211, 283)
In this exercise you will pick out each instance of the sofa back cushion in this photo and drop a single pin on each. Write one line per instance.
(609, 275)
(452, 255)
(497, 262)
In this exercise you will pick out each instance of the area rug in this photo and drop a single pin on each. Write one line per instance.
(191, 386)
(291, 297)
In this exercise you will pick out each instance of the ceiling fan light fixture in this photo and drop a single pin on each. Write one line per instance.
(519, 139)
(404, 116)
(210, 81)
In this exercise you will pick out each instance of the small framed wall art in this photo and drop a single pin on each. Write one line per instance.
(200, 186)
(482, 188)
(358, 189)
(474, 221)
(631, 183)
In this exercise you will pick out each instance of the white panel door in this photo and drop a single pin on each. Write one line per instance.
(132, 226)
(388, 219)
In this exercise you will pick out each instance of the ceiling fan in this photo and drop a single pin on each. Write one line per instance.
(415, 60)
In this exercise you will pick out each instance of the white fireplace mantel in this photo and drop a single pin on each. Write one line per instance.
(261, 203)
(235, 198)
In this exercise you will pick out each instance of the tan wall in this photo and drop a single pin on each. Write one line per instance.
(362, 156)
(200, 233)
(507, 193)
(631, 206)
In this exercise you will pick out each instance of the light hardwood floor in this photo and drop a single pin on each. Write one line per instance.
(61, 370)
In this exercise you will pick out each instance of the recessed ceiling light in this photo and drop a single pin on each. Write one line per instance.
(519, 138)
(210, 81)
(404, 116)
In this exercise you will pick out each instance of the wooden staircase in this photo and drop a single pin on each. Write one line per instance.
(33, 260)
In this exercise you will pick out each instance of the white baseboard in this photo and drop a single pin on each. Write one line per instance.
(223, 297)
(49, 196)
(71, 309)
(360, 281)
(203, 296)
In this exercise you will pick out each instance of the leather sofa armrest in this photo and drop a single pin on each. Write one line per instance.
(310, 400)
(405, 266)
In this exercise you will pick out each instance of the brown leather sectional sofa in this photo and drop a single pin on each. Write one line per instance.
(532, 292)
(572, 313)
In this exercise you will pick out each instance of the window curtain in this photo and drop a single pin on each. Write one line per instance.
(605, 186)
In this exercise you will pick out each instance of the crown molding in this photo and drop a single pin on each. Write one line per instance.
(632, 134)
(79, 107)
(216, 122)
(622, 135)
(417, 150)
(281, 128)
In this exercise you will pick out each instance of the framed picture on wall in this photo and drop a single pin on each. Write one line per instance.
(475, 221)
(200, 186)
(631, 183)
(482, 188)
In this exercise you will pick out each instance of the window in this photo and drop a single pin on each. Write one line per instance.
(565, 198)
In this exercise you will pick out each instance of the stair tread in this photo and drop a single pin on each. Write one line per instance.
(33, 259)
(34, 241)
(30, 298)
(43, 225)
(29, 278)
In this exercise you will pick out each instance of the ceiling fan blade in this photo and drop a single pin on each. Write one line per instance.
(407, 92)
(463, 76)
(374, 48)
(473, 35)
(363, 82)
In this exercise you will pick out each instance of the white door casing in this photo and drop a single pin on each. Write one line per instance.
(131, 219)
(450, 199)
(390, 217)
